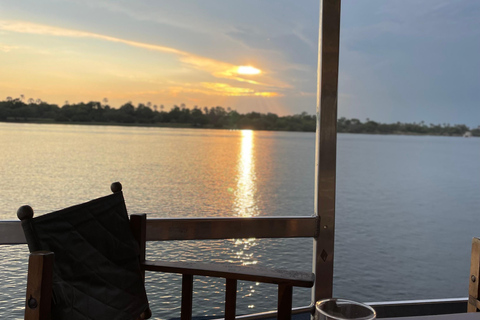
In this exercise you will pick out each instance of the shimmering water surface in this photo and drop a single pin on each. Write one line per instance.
(407, 207)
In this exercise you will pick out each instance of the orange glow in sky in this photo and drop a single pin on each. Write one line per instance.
(75, 65)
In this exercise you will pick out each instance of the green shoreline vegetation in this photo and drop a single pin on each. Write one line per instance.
(37, 111)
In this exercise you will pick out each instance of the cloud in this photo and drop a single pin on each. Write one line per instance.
(218, 89)
(216, 68)
(227, 90)
(175, 89)
(166, 13)
(32, 28)
(7, 48)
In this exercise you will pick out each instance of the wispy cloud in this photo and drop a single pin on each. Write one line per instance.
(217, 89)
(32, 28)
(175, 89)
(7, 48)
(225, 89)
(216, 68)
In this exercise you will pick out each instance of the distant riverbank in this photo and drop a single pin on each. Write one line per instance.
(190, 126)
(146, 115)
(152, 125)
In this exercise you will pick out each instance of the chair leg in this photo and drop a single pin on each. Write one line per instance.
(39, 286)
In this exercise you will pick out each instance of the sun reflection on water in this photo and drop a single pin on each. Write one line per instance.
(245, 204)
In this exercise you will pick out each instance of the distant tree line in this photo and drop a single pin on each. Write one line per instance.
(146, 114)
(18, 110)
(369, 126)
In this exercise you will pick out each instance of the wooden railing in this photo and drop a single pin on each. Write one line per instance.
(202, 228)
(220, 228)
(208, 229)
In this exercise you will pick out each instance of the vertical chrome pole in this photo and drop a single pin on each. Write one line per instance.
(326, 147)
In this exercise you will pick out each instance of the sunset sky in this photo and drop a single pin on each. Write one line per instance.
(400, 60)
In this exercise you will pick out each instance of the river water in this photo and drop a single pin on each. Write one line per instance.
(407, 206)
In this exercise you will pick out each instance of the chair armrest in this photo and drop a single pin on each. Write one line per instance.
(229, 271)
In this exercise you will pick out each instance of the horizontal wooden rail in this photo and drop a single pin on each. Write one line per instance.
(201, 228)
(229, 271)
(11, 232)
(230, 228)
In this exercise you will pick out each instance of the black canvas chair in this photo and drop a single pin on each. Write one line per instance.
(100, 265)
(96, 273)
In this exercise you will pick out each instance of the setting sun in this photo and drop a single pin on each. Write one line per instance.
(248, 70)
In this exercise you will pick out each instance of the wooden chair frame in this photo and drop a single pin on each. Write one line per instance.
(39, 286)
(39, 283)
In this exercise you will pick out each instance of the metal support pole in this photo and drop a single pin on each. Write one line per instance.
(326, 148)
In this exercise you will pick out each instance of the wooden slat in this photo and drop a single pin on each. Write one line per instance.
(187, 297)
(138, 227)
(228, 271)
(230, 299)
(201, 229)
(39, 286)
(11, 232)
(473, 288)
(230, 228)
(285, 294)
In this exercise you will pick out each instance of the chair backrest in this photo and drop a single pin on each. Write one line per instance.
(97, 271)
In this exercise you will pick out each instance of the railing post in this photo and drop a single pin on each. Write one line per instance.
(284, 308)
(230, 299)
(326, 147)
(187, 297)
